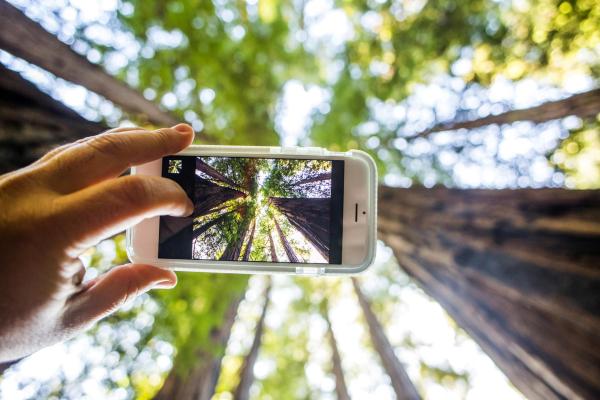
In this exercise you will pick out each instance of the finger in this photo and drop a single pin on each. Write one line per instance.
(107, 155)
(110, 291)
(54, 152)
(99, 211)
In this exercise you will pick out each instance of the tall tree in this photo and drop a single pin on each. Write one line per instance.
(209, 195)
(315, 178)
(234, 247)
(341, 389)
(310, 217)
(242, 391)
(403, 386)
(213, 173)
(274, 257)
(289, 251)
(198, 383)
(248, 249)
(517, 269)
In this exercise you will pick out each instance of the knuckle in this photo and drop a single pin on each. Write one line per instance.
(107, 144)
(136, 189)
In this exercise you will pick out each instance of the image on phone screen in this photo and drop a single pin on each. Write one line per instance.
(256, 210)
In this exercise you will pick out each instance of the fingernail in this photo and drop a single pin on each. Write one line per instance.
(183, 128)
(166, 284)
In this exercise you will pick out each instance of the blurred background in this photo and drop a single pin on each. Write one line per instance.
(375, 75)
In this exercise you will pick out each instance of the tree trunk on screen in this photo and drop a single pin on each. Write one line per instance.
(234, 249)
(403, 386)
(341, 389)
(208, 196)
(201, 380)
(584, 105)
(289, 251)
(213, 173)
(242, 392)
(310, 217)
(517, 269)
(317, 178)
(274, 257)
(250, 241)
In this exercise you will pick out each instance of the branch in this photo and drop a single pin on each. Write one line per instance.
(584, 105)
(26, 39)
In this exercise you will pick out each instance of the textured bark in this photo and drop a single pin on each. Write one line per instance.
(310, 217)
(213, 173)
(292, 257)
(274, 257)
(246, 256)
(517, 269)
(32, 123)
(242, 392)
(208, 196)
(317, 178)
(341, 389)
(200, 382)
(26, 39)
(403, 386)
(584, 105)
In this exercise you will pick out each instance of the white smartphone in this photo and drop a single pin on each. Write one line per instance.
(295, 210)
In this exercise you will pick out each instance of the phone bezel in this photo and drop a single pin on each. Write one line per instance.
(359, 229)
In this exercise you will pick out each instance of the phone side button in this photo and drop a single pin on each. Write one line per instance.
(310, 271)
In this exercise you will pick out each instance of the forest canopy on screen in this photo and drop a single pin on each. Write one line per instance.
(263, 210)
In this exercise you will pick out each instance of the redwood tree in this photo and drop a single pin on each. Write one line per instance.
(517, 269)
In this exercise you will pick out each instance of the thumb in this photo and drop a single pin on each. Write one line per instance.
(111, 290)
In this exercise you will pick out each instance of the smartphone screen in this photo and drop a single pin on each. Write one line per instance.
(256, 210)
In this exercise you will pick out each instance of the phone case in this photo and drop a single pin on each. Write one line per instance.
(240, 267)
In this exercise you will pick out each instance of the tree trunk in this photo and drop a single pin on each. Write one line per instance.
(213, 173)
(310, 217)
(274, 257)
(403, 387)
(200, 382)
(234, 249)
(292, 257)
(26, 39)
(340, 383)
(317, 178)
(584, 105)
(249, 243)
(517, 269)
(209, 195)
(242, 392)
(32, 123)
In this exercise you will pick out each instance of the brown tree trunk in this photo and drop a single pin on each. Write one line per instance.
(26, 39)
(200, 381)
(341, 389)
(403, 386)
(234, 249)
(242, 392)
(310, 217)
(209, 195)
(317, 178)
(517, 269)
(213, 173)
(274, 257)
(584, 105)
(249, 243)
(292, 257)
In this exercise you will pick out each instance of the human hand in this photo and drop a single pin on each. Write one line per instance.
(64, 203)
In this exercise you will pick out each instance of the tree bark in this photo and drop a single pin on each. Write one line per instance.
(213, 173)
(517, 269)
(341, 389)
(200, 382)
(242, 392)
(584, 105)
(310, 217)
(234, 249)
(274, 257)
(26, 39)
(292, 257)
(32, 123)
(209, 195)
(317, 178)
(246, 256)
(403, 386)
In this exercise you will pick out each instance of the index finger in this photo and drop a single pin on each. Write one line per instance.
(108, 155)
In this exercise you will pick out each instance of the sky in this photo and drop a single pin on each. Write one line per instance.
(417, 315)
